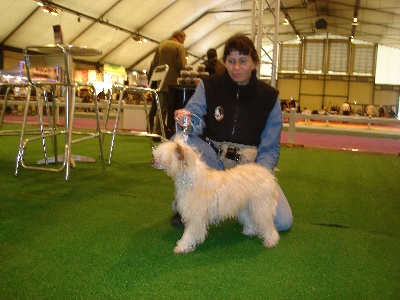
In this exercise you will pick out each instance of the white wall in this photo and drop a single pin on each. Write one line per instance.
(388, 66)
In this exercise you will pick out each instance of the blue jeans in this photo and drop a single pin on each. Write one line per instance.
(283, 218)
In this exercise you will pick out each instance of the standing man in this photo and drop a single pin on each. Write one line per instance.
(371, 111)
(172, 53)
(346, 109)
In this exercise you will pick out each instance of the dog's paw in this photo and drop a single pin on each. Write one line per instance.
(180, 249)
(271, 240)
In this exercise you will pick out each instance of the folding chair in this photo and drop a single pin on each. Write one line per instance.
(57, 58)
(10, 101)
(158, 78)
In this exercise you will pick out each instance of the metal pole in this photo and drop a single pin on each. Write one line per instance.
(275, 50)
(259, 32)
(292, 125)
(253, 23)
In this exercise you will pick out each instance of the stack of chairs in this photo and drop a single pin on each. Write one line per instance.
(157, 80)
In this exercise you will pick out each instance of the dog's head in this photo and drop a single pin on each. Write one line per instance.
(174, 156)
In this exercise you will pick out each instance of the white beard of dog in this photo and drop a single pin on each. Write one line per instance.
(205, 196)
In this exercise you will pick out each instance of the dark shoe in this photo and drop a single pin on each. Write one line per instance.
(176, 220)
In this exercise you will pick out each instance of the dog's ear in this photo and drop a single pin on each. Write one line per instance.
(180, 151)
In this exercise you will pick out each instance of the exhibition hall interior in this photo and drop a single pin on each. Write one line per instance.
(90, 89)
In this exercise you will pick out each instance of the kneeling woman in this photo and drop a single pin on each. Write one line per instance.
(236, 118)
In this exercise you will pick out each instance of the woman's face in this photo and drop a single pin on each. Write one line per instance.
(239, 67)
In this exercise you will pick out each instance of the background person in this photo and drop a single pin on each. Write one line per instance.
(346, 108)
(236, 109)
(101, 95)
(172, 53)
(371, 111)
(213, 64)
(381, 111)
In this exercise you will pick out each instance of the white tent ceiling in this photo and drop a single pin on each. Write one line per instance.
(109, 25)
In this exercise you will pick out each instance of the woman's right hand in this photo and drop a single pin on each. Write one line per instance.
(179, 117)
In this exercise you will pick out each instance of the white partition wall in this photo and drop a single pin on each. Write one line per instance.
(366, 78)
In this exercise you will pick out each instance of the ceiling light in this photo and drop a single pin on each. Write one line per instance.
(286, 21)
(139, 39)
(355, 21)
(48, 8)
(53, 11)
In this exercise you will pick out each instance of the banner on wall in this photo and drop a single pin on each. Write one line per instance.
(91, 76)
(116, 69)
(114, 74)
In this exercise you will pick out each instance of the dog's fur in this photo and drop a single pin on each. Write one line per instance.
(204, 195)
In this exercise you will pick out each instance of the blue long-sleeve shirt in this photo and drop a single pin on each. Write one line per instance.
(268, 150)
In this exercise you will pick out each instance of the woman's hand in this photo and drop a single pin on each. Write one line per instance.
(180, 114)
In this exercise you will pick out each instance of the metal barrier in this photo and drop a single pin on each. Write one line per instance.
(292, 116)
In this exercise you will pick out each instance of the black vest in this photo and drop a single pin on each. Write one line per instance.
(245, 109)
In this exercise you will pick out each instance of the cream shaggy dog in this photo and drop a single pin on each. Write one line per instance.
(205, 196)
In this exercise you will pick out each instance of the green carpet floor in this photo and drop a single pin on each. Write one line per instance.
(105, 234)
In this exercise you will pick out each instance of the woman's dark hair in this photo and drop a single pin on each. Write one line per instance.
(243, 45)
